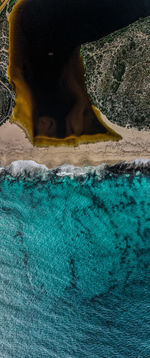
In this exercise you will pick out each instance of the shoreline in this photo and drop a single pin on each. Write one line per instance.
(14, 145)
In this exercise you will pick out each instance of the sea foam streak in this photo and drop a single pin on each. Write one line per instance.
(30, 168)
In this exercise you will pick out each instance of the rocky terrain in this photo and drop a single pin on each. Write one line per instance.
(7, 95)
(118, 74)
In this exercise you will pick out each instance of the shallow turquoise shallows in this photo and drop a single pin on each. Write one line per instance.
(75, 267)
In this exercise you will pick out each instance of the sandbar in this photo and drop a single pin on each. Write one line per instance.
(14, 145)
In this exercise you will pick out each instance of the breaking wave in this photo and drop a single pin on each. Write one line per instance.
(29, 168)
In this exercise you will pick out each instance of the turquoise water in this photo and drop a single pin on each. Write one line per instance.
(75, 266)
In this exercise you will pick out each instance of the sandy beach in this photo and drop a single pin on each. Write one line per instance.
(14, 145)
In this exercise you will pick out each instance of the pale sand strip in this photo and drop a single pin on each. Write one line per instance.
(14, 145)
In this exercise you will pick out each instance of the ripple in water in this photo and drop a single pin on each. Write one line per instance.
(75, 265)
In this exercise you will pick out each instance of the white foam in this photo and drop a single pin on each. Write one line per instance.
(72, 171)
(140, 161)
(137, 164)
(31, 168)
(25, 167)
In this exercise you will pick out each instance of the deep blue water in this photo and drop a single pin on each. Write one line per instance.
(75, 267)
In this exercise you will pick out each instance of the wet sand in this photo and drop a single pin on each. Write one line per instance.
(14, 145)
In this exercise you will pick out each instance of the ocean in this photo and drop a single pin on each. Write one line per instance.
(75, 261)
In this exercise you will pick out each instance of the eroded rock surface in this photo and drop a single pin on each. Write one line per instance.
(7, 94)
(118, 74)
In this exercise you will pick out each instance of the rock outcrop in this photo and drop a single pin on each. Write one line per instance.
(118, 74)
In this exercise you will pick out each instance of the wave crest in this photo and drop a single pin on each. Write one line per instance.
(29, 168)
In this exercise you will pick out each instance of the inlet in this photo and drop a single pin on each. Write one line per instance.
(47, 73)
